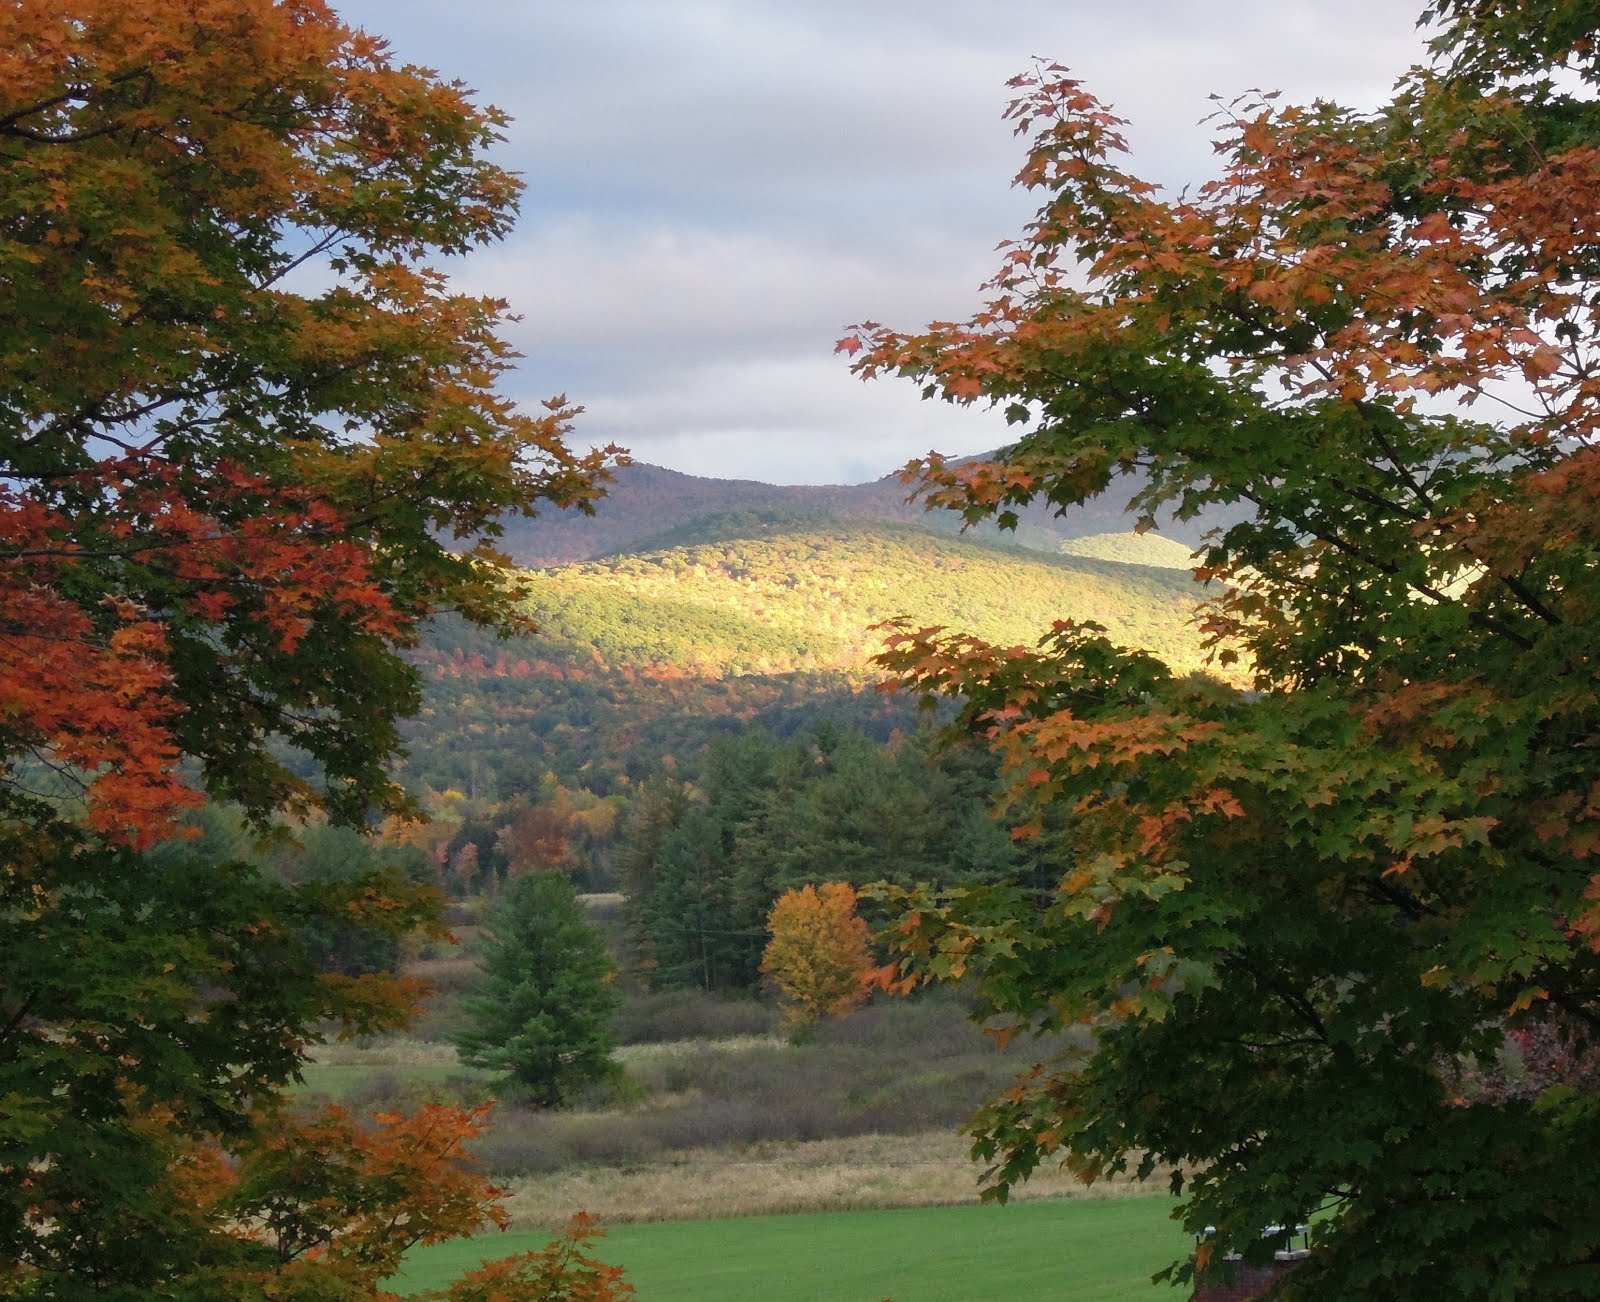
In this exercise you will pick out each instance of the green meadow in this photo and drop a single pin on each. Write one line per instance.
(1085, 1250)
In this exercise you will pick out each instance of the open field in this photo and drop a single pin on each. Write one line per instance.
(730, 1162)
(395, 1069)
(772, 1178)
(864, 1114)
(1085, 1250)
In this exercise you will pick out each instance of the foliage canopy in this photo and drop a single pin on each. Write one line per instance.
(1303, 917)
(240, 417)
(241, 426)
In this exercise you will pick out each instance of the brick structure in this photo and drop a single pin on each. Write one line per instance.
(1249, 1282)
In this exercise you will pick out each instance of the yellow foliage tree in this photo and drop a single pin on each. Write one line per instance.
(818, 955)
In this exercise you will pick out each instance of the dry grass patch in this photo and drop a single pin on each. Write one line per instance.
(449, 975)
(868, 1171)
(602, 900)
(638, 1055)
(391, 1051)
(405, 1051)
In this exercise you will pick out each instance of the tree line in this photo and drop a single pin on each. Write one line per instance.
(703, 863)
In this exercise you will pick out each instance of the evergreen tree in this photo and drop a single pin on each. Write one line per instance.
(686, 918)
(703, 867)
(539, 1016)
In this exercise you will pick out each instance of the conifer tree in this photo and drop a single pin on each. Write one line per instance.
(540, 1015)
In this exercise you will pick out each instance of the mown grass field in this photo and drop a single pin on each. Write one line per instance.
(731, 1163)
(1085, 1250)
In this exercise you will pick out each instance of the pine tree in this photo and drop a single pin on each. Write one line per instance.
(540, 1015)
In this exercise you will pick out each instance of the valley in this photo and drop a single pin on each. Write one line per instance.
(696, 726)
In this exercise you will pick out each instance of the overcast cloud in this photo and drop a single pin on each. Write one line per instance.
(718, 188)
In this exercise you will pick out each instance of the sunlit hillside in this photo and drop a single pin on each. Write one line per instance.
(748, 594)
(1148, 549)
(752, 617)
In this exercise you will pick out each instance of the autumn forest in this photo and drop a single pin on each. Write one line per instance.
(441, 858)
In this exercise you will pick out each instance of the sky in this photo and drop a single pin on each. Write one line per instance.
(718, 189)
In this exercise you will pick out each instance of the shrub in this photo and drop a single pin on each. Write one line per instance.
(688, 1015)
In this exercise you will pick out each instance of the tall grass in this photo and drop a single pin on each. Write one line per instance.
(903, 1068)
(773, 1178)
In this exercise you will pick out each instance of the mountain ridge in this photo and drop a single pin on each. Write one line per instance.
(644, 501)
(765, 592)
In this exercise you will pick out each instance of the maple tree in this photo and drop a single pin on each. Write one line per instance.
(539, 837)
(817, 955)
(248, 441)
(328, 1205)
(1301, 915)
(228, 489)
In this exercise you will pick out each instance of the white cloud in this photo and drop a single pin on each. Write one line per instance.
(780, 418)
(682, 290)
(717, 187)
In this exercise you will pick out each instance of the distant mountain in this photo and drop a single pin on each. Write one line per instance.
(645, 504)
(757, 615)
(764, 592)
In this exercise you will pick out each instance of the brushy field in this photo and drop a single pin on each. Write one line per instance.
(1085, 1250)
(775, 1178)
(732, 1163)
(864, 1116)
(904, 1068)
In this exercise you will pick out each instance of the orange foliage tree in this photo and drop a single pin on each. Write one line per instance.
(564, 1271)
(818, 955)
(1303, 918)
(247, 441)
(539, 836)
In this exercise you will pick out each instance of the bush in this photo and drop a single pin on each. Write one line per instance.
(671, 1015)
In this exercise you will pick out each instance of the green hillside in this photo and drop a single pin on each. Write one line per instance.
(764, 592)
(1150, 549)
(754, 617)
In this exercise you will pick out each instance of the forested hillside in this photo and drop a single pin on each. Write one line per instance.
(760, 593)
(757, 617)
(1151, 549)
